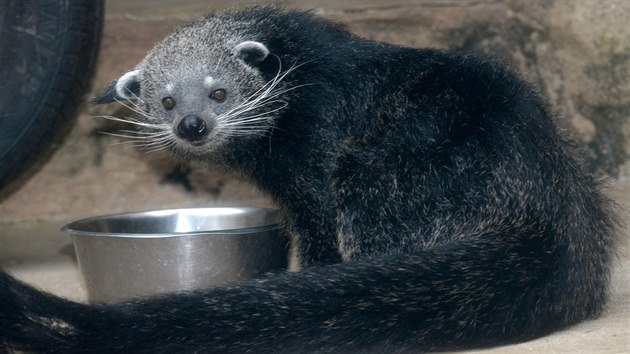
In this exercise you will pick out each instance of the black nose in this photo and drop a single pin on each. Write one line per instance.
(192, 128)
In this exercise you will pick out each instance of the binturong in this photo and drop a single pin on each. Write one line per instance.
(431, 201)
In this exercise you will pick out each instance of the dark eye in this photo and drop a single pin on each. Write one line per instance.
(168, 103)
(218, 95)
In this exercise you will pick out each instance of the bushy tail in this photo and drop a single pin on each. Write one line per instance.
(476, 292)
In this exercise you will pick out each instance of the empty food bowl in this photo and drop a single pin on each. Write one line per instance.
(130, 255)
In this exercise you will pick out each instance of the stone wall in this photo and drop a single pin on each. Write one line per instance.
(576, 52)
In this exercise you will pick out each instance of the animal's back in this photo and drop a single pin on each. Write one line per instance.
(464, 168)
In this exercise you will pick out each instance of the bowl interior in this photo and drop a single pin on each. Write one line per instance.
(176, 221)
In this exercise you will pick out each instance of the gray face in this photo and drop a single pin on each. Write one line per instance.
(199, 102)
(206, 99)
(196, 96)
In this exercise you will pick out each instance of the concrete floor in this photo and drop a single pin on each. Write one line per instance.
(38, 253)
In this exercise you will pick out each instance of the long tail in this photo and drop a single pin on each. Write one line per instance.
(478, 292)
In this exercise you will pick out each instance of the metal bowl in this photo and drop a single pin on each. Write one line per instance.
(147, 253)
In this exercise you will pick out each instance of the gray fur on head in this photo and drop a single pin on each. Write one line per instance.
(190, 73)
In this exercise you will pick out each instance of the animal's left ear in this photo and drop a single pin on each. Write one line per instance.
(127, 87)
(251, 52)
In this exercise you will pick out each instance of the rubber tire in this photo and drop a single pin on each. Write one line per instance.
(48, 52)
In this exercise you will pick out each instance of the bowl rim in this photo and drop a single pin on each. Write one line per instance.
(72, 229)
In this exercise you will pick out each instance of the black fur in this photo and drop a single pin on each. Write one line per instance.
(464, 216)
(107, 95)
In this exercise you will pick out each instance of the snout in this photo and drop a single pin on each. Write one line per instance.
(193, 128)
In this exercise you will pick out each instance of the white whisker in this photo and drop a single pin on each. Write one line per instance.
(157, 142)
(136, 109)
(162, 147)
(237, 121)
(263, 96)
(129, 121)
(138, 132)
(132, 137)
(240, 117)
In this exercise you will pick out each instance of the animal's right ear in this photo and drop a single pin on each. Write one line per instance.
(127, 87)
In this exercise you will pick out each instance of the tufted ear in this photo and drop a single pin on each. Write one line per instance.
(127, 87)
(251, 52)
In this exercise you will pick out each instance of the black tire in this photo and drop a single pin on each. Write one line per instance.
(48, 50)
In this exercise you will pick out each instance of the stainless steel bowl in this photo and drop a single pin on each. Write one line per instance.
(138, 254)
